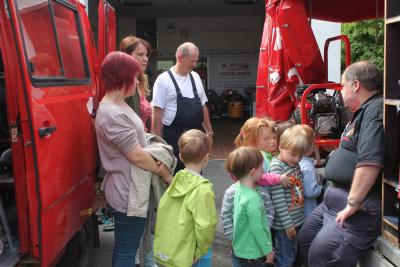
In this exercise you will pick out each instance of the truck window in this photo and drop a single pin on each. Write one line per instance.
(38, 37)
(69, 41)
(53, 42)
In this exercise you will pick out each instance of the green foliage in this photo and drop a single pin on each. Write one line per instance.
(366, 41)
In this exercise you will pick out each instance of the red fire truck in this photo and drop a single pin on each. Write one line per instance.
(49, 69)
(292, 76)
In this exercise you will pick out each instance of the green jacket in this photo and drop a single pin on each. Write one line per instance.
(186, 220)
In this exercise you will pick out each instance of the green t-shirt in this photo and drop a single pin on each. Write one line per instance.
(267, 160)
(251, 235)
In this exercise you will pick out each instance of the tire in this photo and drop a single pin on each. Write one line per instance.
(79, 250)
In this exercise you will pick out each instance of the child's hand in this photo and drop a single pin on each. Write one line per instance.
(291, 232)
(285, 180)
(270, 258)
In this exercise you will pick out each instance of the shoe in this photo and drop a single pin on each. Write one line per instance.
(104, 219)
(109, 227)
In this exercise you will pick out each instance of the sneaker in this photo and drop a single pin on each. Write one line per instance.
(109, 227)
(104, 219)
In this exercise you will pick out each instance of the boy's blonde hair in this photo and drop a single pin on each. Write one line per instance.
(193, 145)
(242, 160)
(250, 131)
(309, 132)
(295, 140)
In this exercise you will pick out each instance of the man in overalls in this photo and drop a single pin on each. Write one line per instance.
(179, 100)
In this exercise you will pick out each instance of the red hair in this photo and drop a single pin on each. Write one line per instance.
(119, 71)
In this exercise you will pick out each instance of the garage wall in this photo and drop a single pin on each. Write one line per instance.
(126, 26)
(211, 35)
(229, 45)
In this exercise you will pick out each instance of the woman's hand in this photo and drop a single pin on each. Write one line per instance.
(163, 172)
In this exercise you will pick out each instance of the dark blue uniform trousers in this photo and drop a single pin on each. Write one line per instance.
(324, 243)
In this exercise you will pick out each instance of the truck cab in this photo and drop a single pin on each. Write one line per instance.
(48, 152)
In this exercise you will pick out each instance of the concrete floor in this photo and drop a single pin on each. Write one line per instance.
(215, 171)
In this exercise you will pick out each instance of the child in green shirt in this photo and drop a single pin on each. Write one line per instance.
(252, 242)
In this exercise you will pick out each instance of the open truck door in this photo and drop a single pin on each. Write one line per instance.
(107, 29)
(107, 34)
(50, 91)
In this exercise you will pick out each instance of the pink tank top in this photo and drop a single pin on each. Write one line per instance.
(145, 111)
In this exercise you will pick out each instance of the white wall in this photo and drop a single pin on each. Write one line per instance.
(235, 73)
(322, 31)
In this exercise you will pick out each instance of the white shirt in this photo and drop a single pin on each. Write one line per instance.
(164, 94)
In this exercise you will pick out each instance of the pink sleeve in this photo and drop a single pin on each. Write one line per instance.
(269, 179)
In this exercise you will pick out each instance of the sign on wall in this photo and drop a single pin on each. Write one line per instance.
(235, 73)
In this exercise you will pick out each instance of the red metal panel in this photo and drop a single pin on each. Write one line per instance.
(14, 99)
(106, 34)
(60, 168)
(344, 10)
(289, 55)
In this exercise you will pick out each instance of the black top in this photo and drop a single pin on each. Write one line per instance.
(361, 144)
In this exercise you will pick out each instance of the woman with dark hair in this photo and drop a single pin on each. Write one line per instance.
(121, 139)
(140, 50)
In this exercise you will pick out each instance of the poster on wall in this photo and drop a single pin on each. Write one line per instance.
(235, 73)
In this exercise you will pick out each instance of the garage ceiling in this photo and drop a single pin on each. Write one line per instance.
(188, 8)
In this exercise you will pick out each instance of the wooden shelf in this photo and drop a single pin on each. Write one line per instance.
(391, 223)
(392, 183)
(390, 237)
(392, 102)
(392, 20)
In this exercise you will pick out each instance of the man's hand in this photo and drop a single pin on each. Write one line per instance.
(210, 136)
(346, 213)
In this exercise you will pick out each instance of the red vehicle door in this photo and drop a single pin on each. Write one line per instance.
(107, 32)
(58, 87)
(107, 29)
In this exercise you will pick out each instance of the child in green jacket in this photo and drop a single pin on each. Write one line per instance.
(252, 242)
(186, 215)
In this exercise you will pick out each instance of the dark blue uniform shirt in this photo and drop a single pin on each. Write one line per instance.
(361, 144)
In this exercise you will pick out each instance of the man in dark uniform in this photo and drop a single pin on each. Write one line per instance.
(179, 100)
(348, 221)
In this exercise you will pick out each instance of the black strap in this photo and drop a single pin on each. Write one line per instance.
(193, 86)
(178, 90)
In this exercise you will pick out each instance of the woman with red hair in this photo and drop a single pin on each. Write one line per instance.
(121, 139)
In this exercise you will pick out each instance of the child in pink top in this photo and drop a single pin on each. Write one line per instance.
(260, 133)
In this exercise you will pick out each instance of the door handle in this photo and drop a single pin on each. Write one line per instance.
(46, 131)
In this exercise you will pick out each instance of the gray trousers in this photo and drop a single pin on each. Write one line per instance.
(324, 243)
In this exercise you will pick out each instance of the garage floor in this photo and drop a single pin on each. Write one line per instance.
(225, 132)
